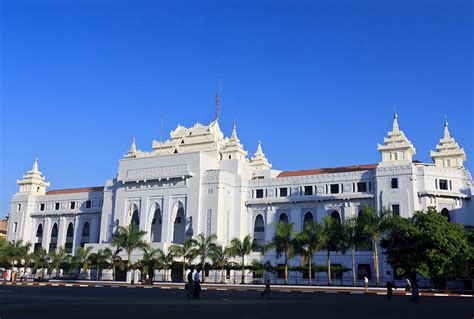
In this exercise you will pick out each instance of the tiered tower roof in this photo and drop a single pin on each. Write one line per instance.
(448, 153)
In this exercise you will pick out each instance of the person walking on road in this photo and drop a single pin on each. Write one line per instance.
(266, 280)
(190, 285)
(197, 285)
(366, 283)
(414, 291)
(390, 286)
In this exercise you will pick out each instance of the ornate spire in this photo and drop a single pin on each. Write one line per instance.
(395, 123)
(232, 148)
(132, 151)
(33, 181)
(234, 134)
(448, 153)
(397, 149)
(259, 161)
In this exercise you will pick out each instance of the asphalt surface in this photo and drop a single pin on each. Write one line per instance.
(87, 302)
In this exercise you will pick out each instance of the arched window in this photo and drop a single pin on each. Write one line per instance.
(53, 244)
(39, 237)
(336, 216)
(283, 218)
(179, 227)
(69, 238)
(85, 234)
(136, 216)
(445, 213)
(308, 218)
(156, 225)
(259, 225)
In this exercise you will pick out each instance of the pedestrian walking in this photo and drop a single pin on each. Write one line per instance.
(366, 283)
(190, 285)
(266, 280)
(390, 286)
(414, 292)
(408, 285)
(197, 285)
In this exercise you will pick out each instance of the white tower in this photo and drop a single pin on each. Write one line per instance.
(233, 149)
(33, 182)
(448, 153)
(259, 161)
(397, 149)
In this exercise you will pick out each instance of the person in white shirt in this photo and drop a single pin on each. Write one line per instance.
(197, 285)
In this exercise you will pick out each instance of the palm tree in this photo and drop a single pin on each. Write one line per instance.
(203, 247)
(333, 240)
(83, 259)
(57, 258)
(129, 238)
(241, 249)
(165, 260)
(41, 259)
(220, 257)
(99, 259)
(373, 225)
(15, 251)
(308, 242)
(149, 261)
(283, 243)
(114, 259)
(185, 251)
(353, 239)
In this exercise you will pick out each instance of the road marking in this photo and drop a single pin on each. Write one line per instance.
(357, 292)
(381, 293)
(331, 292)
(441, 295)
(147, 287)
(222, 289)
(42, 284)
(284, 290)
(99, 286)
(69, 285)
(181, 288)
(83, 286)
(29, 284)
(466, 296)
(165, 287)
(203, 288)
(55, 285)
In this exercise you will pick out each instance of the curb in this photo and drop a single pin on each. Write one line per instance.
(211, 287)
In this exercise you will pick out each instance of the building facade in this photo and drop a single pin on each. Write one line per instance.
(199, 181)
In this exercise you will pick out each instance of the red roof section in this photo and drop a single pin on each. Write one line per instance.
(331, 170)
(75, 190)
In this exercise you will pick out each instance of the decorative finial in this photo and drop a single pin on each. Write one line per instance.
(259, 148)
(234, 132)
(133, 147)
(395, 122)
(35, 165)
(446, 129)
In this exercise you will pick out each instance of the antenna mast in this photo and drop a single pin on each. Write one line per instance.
(218, 100)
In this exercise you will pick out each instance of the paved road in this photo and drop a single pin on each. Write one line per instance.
(75, 302)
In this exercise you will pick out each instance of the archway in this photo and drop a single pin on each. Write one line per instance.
(135, 216)
(69, 238)
(39, 238)
(283, 218)
(53, 244)
(179, 226)
(336, 216)
(445, 213)
(258, 234)
(85, 234)
(156, 225)
(308, 218)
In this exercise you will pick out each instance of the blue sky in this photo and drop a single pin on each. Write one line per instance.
(316, 81)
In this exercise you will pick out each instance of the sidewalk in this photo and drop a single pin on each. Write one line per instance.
(237, 287)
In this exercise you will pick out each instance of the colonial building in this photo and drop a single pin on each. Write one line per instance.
(200, 181)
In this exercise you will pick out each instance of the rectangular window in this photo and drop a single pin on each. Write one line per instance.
(443, 184)
(88, 204)
(334, 188)
(362, 187)
(19, 207)
(283, 192)
(73, 205)
(42, 206)
(56, 206)
(396, 209)
(259, 193)
(15, 226)
(394, 183)
(308, 190)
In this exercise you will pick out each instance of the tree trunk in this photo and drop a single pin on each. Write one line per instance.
(202, 270)
(309, 267)
(376, 263)
(353, 266)
(222, 274)
(329, 267)
(129, 262)
(184, 270)
(286, 268)
(243, 269)
(113, 272)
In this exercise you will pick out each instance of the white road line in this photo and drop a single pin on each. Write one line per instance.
(381, 293)
(42, 284)
(165, 287)
(99, 286)
(29, 284)
(55, 285)
(222, 289)
(357, 292)
(331, 292)
(69, 285)
(204, 288)
(83, 286)
(181, 288)
(466, 296)
(284, 290)
(147, 287)
(441, 295)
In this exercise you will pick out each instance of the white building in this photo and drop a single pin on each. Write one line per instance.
(199, 181)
